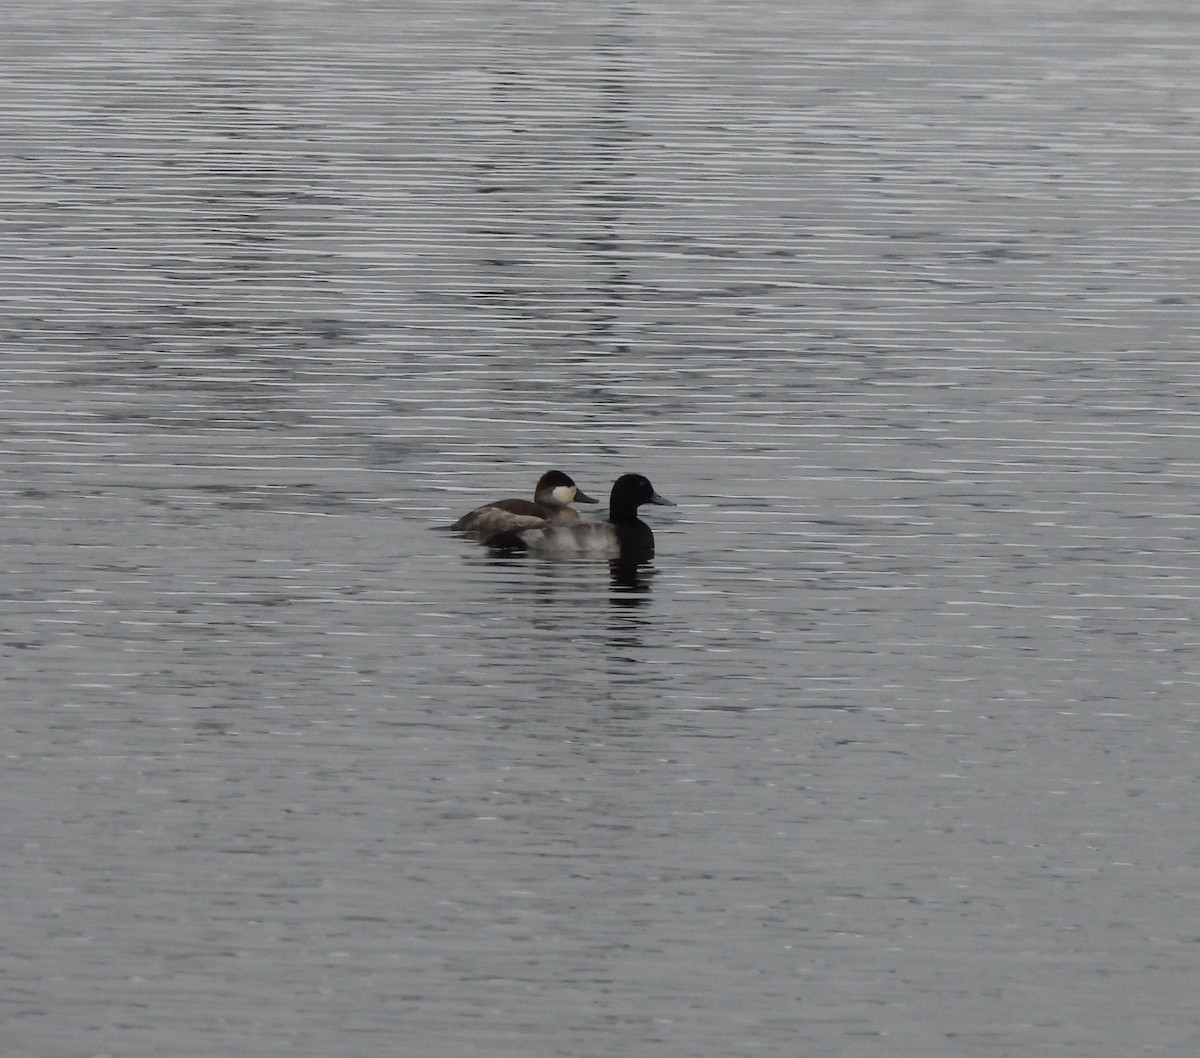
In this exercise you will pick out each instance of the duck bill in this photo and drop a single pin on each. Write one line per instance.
(583, 497)
(662, 501)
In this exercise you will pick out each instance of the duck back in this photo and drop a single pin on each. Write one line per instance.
(510, 514)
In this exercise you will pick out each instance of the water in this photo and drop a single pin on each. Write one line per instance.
(891, 751)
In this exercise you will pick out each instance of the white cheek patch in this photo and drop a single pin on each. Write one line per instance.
(563, 494)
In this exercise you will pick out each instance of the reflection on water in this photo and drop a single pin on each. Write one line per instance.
(630, 582)
(888, 744)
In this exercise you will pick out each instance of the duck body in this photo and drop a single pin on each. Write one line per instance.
(623, 536)
(554, 491)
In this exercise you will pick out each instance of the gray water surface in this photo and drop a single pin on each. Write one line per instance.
(891, 751)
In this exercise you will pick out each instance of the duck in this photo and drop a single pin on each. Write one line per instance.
(554, 491)
(624, 536)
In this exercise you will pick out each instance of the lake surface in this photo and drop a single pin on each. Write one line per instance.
(893, 748)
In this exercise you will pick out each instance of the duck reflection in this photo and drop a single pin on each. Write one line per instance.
(558, 600)
(629, 582)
